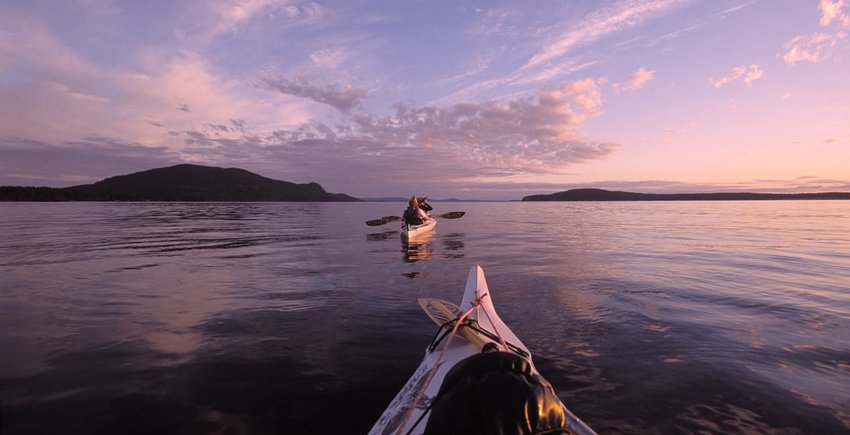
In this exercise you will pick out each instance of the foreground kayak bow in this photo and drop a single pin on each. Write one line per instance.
(476, 377)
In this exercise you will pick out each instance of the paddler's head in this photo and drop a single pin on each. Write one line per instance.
(414, 202)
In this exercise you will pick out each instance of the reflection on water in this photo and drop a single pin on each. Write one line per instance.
(422, 247)
(383, 236)
(453, 245)
(419, 248)
(266, 318)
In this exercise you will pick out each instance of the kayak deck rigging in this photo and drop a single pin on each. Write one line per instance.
(446, 328)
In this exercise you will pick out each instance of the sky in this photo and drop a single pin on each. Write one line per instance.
(466, 99)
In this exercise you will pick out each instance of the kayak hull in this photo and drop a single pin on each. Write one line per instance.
(413, 232)
(408, 409)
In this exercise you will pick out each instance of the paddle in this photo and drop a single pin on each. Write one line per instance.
(450, 215)
(387, 219)
(442, 312)
(376, 222)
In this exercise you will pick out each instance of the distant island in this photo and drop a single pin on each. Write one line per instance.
(180, 183)
(608, 195)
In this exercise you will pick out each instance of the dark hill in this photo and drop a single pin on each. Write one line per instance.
(180, 183)
(608, 195)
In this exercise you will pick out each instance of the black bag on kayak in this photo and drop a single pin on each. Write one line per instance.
(495, 393)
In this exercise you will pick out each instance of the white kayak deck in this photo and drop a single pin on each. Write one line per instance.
(407, 408)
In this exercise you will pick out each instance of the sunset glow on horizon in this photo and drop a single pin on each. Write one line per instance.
(474, 100)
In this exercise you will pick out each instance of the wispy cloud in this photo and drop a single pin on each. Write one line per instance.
(813, 48)
(492, 22)
(702, 23)
(342, 98)
(736, 8)
(557, 58)
(233, 13)
(328, 58)
(748, 74)
(636, 81)
(819, 46)
(672, 35)
(617, 18)
(753, 73)
(479, 65)
(200, 26)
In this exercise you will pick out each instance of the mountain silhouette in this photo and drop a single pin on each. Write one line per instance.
(608, 195)
(183, 182)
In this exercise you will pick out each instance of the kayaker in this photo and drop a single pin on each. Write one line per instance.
(414, 215)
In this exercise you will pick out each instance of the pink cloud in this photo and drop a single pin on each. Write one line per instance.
(834, 11)
(748, 74)
(538, 133)
(819, 46)
(811, 48)
(636, 81)
(342, 98)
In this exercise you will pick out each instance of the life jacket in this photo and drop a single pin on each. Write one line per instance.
(411, 216)
(495, 393)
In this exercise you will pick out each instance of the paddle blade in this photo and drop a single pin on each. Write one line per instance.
(442, 311)
(452, 215)
(439, 310)
(376, 222)
(391, 218)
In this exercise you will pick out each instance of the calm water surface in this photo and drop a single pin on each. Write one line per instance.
(290, 318)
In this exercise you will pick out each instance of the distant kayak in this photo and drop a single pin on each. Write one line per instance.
(411, 232)
(476, 377)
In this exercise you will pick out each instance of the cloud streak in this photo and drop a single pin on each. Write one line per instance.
(636, 81)
(342, 98)
(225, 18)
(621, 16)
(748, 74)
